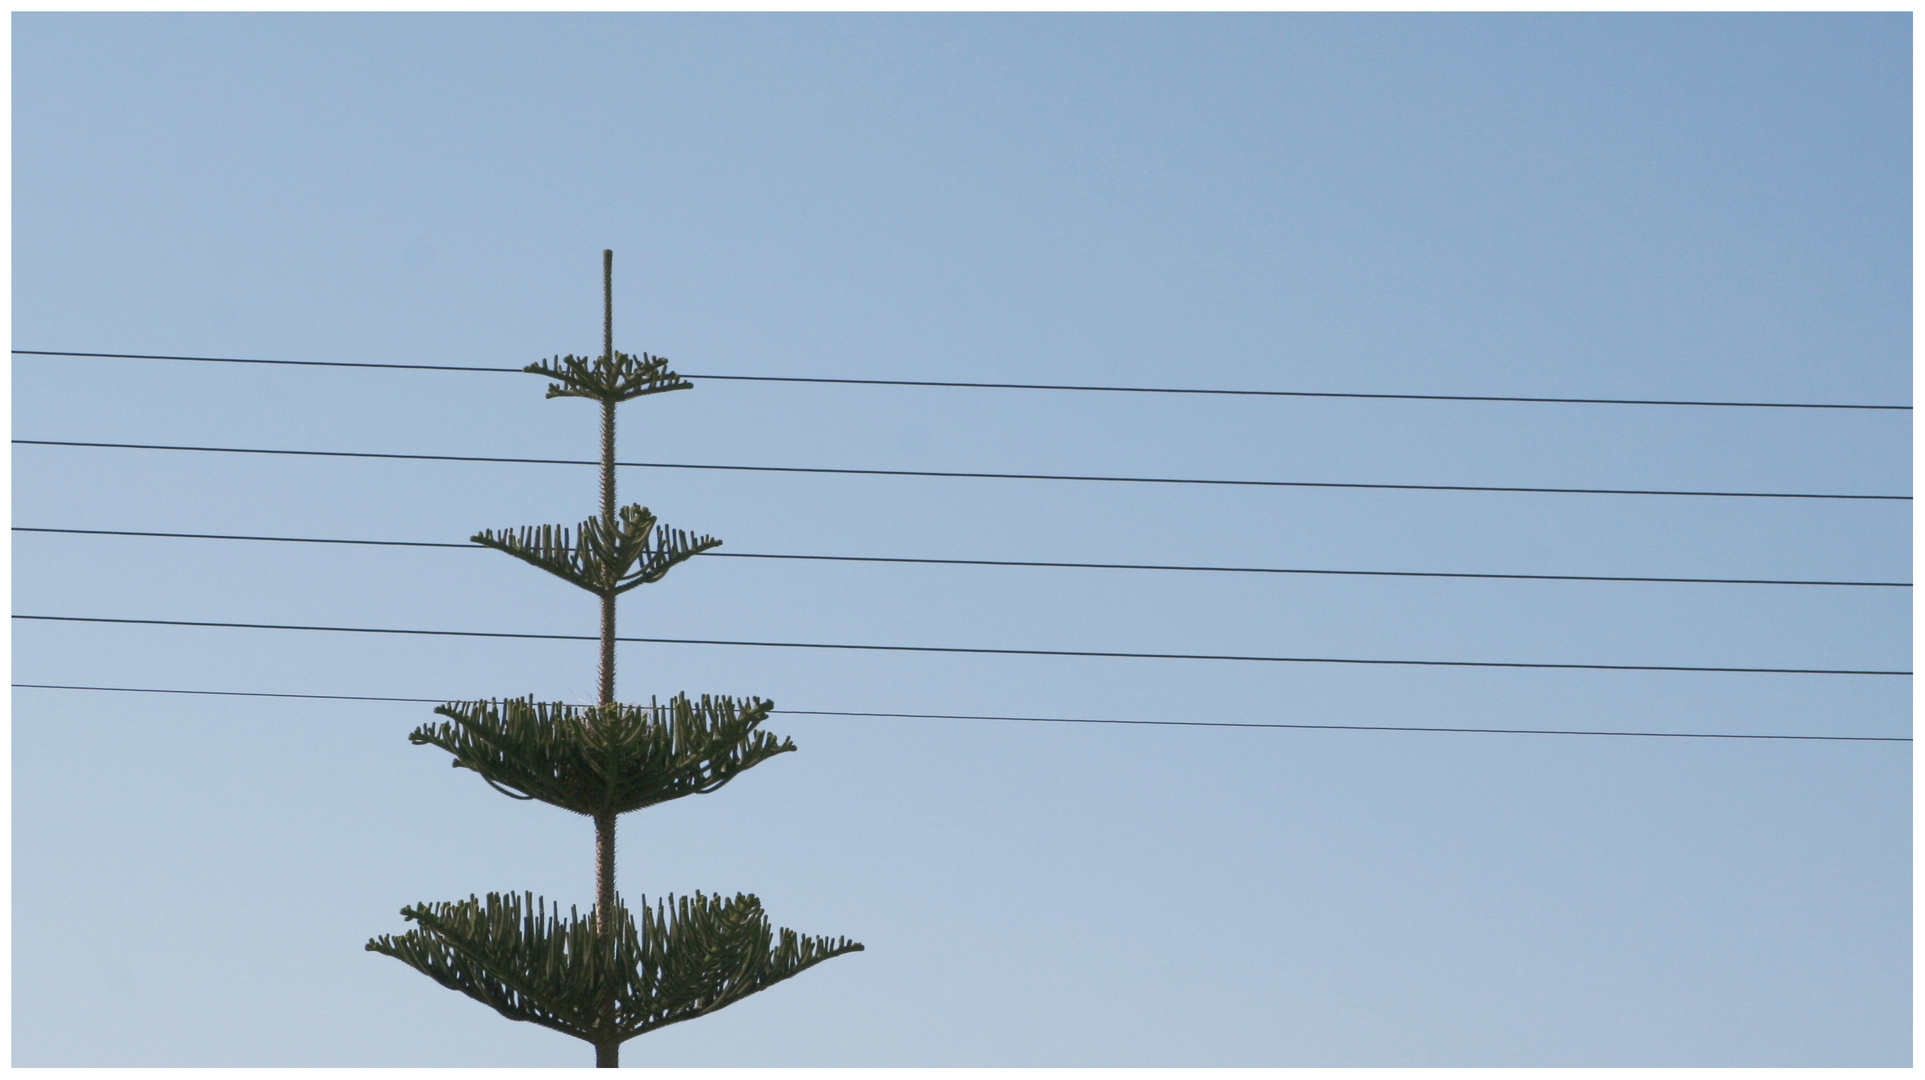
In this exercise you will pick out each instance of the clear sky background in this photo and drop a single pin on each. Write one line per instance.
(1691, 207)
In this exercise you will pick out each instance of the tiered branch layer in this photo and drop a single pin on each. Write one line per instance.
(605, 760)
(624, 379)
(606, 561)
(688, 957)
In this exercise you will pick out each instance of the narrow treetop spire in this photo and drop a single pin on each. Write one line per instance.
(608, 306)
(612, 377)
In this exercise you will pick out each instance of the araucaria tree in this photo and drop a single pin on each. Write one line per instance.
(605, 978)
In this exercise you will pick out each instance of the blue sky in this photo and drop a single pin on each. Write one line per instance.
(1673, 207)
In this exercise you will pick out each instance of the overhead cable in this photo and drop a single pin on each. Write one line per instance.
(1026, 386)
(971, 651)
(1057, 719)
(1016, 562)
(964, 475)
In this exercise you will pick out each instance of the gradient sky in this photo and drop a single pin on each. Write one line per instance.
(1675, 207)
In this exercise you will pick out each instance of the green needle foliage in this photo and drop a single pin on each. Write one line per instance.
(603, 561)
(689, 957)
(602, 977)
(609, 759)
(627, 377)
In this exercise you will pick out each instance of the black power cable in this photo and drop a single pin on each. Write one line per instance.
(1055, 719)
(965, 475)
(1015, 562)
(970, 651)
(1027, 386)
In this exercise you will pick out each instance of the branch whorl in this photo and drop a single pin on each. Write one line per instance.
(594, 377)
(606, 759)
(689, 956)
(638, 551)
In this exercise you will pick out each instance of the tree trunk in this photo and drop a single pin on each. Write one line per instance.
(608, 1053)
(608, 651)
(604, 871)
(608, 473)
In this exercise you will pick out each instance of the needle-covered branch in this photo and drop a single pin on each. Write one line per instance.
(638, 551)
(689, 956)
(594, 377)
(609, 759)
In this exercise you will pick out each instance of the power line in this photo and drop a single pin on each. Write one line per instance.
(231, 693)
(1057, 719)
(287, 363)
(971, 651)
(277, 539)
(1018, 562)
(1030, 386)
(963, 475)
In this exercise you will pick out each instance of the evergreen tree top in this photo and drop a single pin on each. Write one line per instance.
(604, 978)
